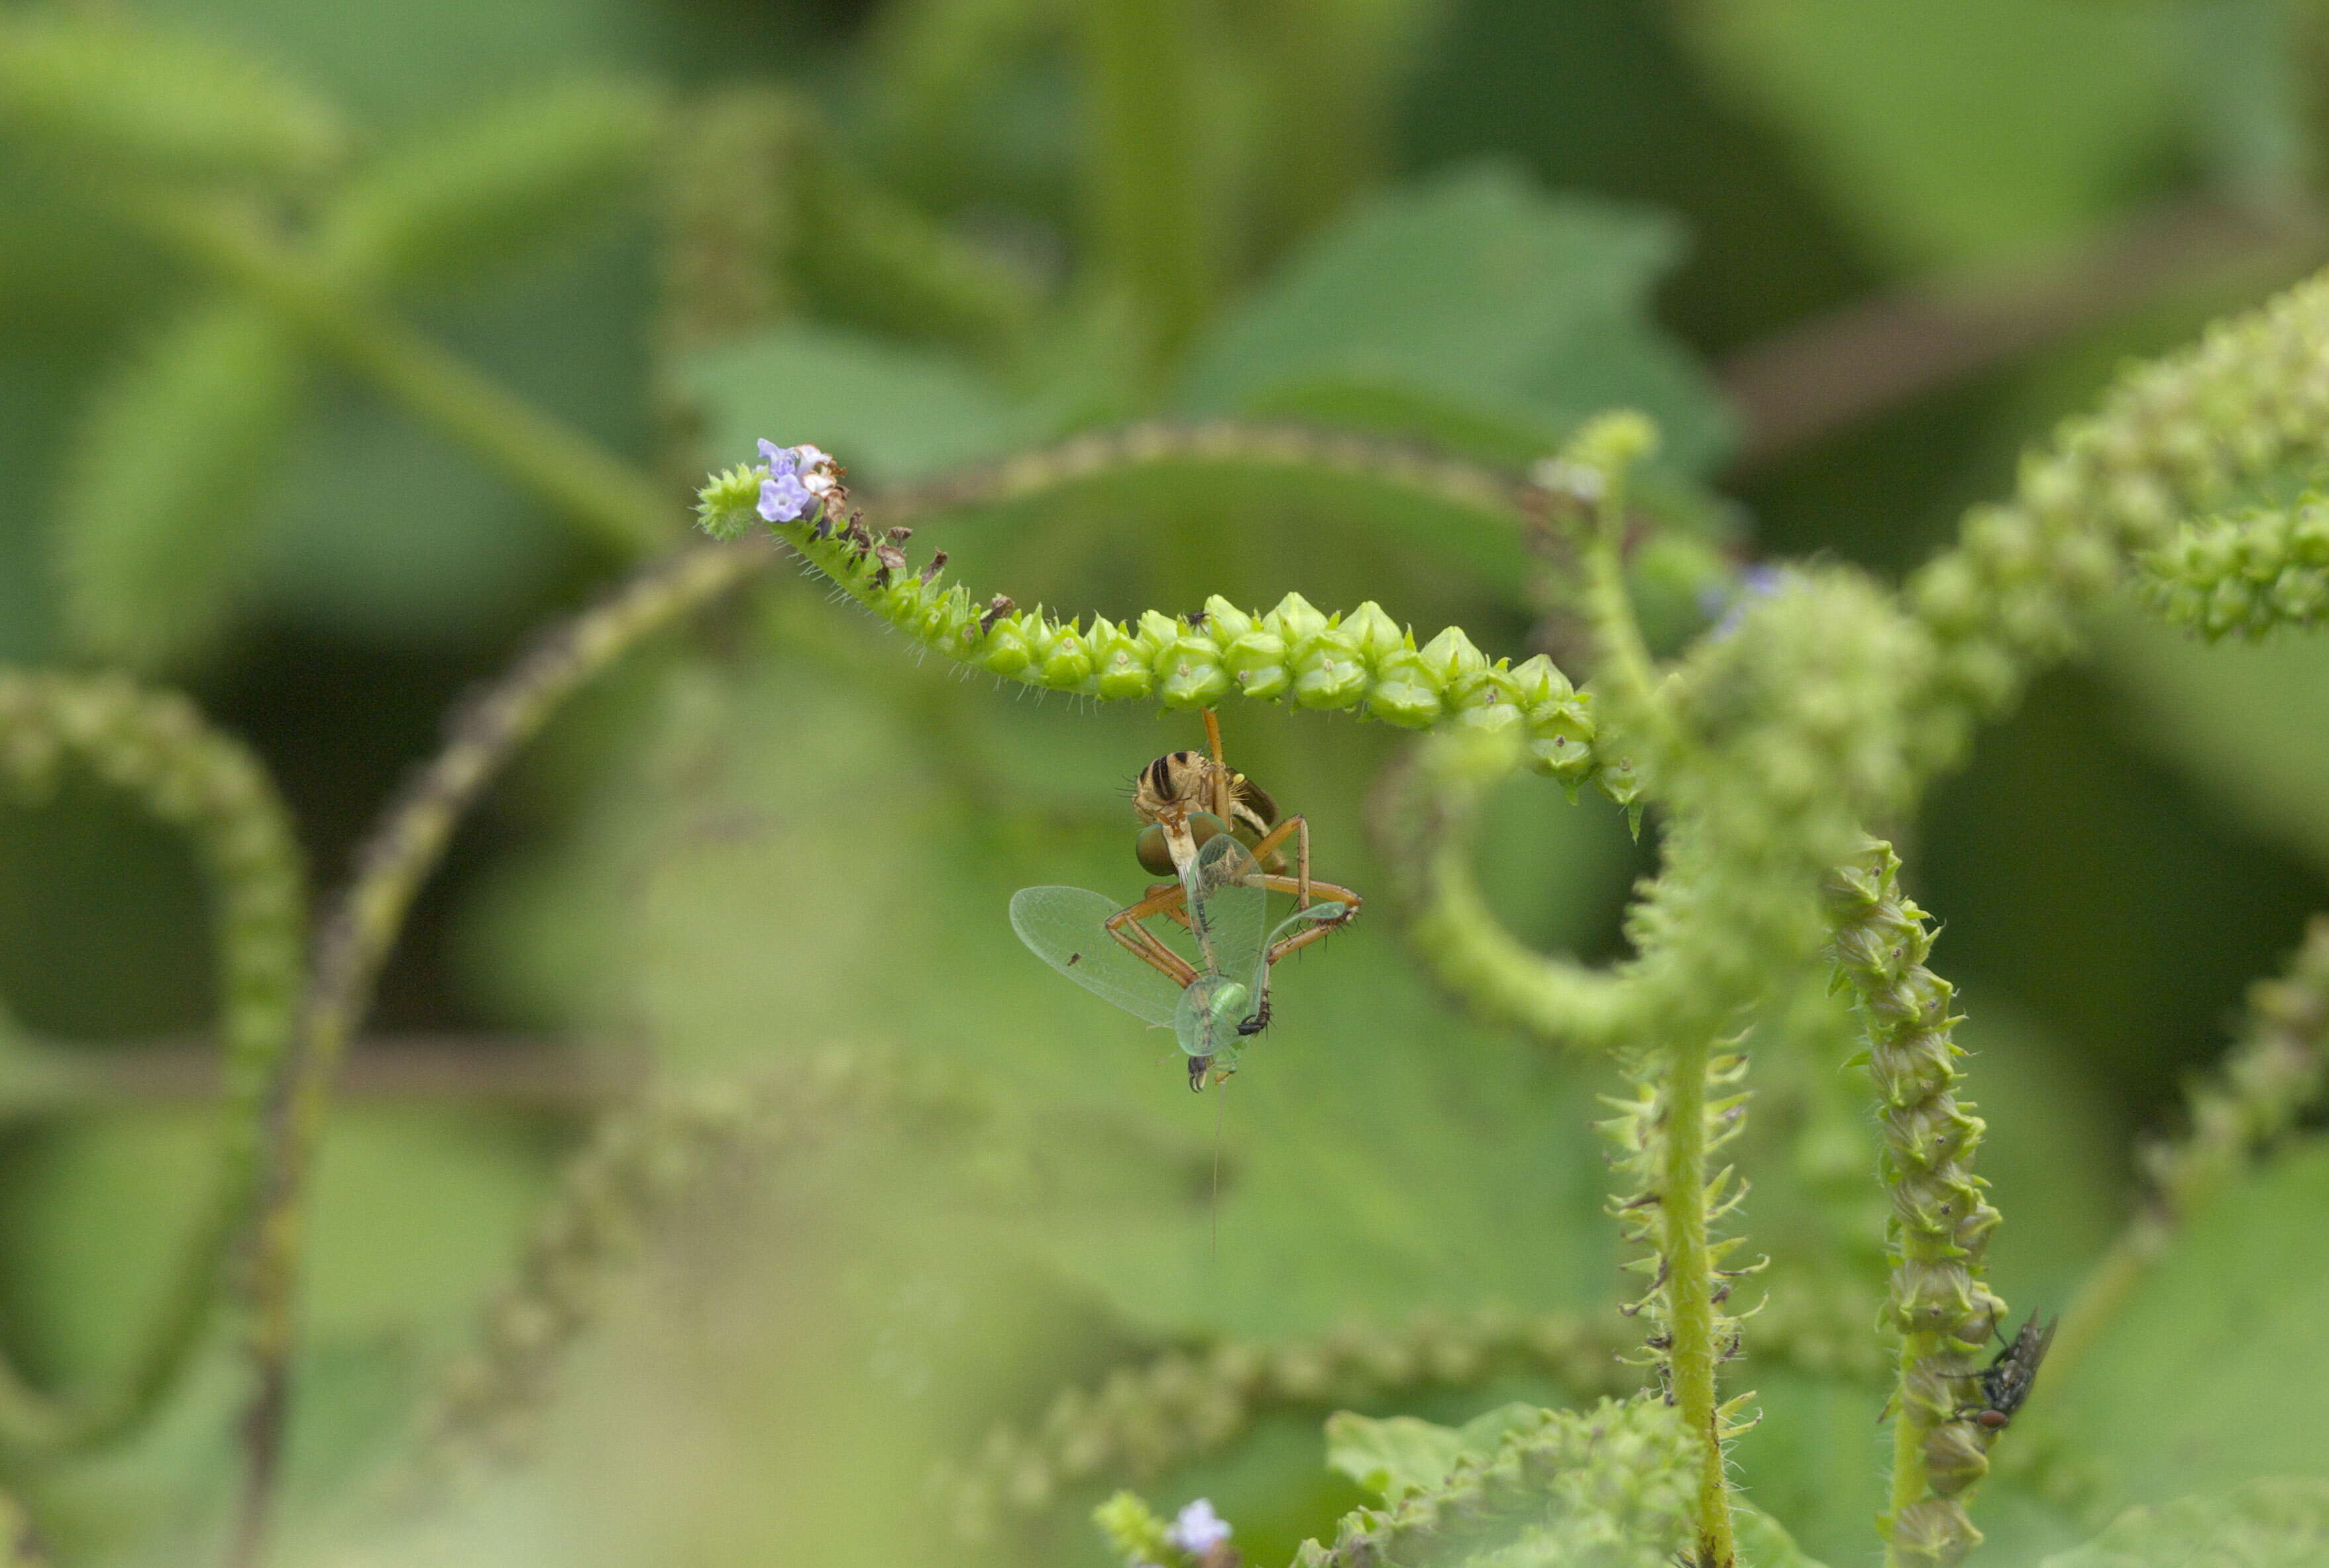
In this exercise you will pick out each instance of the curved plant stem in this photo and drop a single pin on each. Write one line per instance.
(362, 924)
(613, 502)
(1383, 463)
(1424, 817)
(155, 748)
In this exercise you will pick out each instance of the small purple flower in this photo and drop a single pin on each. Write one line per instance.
(1758, 582)
(784, 499)
(1197, 1529)
(798, 478)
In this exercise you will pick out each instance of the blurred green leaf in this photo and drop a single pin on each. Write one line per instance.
(2250, 722)
(1764, 1542)
(2267, 1524)
(1959, 133)
(393, 65)
(2246, 62)
(1471, 308)
(896, 413)
(1398, 1454)
(1392, 1456)
(2211, 1373)
(813, 876)
(490, 193)
(163, 499)
(382, 533)
(1610, 1487)
(155, 105)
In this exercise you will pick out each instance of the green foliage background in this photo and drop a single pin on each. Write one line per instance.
(779, 831)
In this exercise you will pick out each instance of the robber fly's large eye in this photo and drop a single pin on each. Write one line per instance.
(1156, 856)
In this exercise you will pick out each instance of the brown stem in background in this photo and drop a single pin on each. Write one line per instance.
(510, 1071)
(1804, 384)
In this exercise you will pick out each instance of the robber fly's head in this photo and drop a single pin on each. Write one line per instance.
(1189, 791)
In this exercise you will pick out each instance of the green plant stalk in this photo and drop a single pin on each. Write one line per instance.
(1690, 1290)
(362, 926)
(1141, 1421)
(614, 504)
(1939, 1300)
(155, 748)
(1155, 226)
(1625, 656)
(2177, 438)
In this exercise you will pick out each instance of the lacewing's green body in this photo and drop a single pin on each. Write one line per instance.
(1211, 1016)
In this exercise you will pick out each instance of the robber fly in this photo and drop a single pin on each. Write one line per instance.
(1217, 836)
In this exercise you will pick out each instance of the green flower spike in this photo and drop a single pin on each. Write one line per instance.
(1362, 662)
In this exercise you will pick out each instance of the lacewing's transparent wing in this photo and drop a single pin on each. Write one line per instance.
(1207, 1019)
(1228, 906)
(1065, 928)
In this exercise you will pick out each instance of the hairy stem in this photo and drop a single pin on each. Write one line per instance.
(362, 922)
(618, 505)
(156, 748)
(1363, 660)
(1690, 1289)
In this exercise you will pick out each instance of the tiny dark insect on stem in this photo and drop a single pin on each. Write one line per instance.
(2005, 1381)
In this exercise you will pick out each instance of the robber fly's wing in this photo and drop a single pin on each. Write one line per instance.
(1066, 928)
(1228, 905)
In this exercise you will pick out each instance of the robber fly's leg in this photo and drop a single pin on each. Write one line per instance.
(1126, 927)
(1259, 1020)
(1176, 912)
(1299, 827)
(1320, 931)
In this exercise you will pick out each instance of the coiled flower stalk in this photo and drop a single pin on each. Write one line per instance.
(1940, 1222)
(155, 748)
